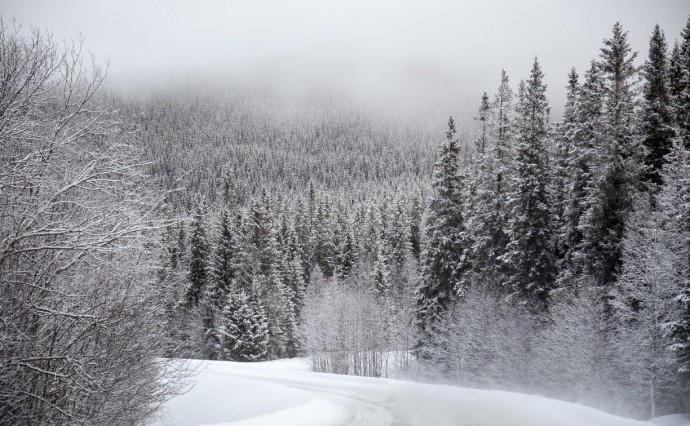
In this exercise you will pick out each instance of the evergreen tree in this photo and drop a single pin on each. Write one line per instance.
(675, 74)
(305, 238)
(264, 235)
(620, 161)
(445, 261)
(416, 211)
(381, 273)
(529, 257)
(243, 330)
(565, 150)
(656, 114)
(294, 277)
(486, 217)
(345, 250)
(241, 261)
(398, 237)
(222, 279)
(324, 247)
(224, 263)
(583, 165)
(199, 256)
(681, 87)
(503, 111)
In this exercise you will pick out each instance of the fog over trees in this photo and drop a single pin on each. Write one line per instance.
(511, 249)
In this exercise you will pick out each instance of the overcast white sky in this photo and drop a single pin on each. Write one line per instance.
(425, 48)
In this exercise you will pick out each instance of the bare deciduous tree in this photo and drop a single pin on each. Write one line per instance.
(79, 309)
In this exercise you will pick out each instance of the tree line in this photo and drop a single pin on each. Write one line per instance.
(549, 258)
(522, 254)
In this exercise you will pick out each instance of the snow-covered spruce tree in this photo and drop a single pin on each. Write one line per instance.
(620, 161)
(81, 305)
(656, 122)
(324, 247)
(199, 256)
(681, 87)
(398, 237)
(294, 274)
(503, 112)
(223, 265)
(675, 73)
(243, 329)
(242, 259)
(415, 223)
(264, 235)
(562, 155)
(305, 238)
(444, 260)
(345, 246)
(486, 218)
(529, 255)
(585, 135)
(221, 280)
(381, 273)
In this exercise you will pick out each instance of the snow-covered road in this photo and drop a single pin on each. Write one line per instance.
(287, 393)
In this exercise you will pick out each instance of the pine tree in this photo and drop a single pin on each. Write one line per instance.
(529, 257)
(681, 85)
(324, 247)
(345, 250)
(243, 330)
(486, 217)
(381, 273)
(222, 279)
(583, 165)
(656, 114)
(294, 277)
(199, 256)
(223, 269)
(398, 239)
(564, 150)
(484, 123)
(445, 254)
(264, 235)
(620, 161)
(304, 230)
(242, 259)
(416, 211)
(675, 74)
(503, 111)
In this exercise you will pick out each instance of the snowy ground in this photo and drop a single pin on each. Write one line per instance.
(287, 393)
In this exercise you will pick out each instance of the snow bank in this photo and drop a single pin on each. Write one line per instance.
(216, 396)
(672, 420)
(286, 393)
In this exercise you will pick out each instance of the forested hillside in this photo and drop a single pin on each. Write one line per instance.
(279, 143)
(533, 256)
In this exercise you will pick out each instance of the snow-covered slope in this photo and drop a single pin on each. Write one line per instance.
(287, 393)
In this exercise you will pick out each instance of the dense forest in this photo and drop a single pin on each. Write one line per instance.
(515, 253)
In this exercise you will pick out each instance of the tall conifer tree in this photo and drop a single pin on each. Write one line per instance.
(529, 257)
(657, 114)
(445, 260)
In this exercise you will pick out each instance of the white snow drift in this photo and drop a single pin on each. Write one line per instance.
(287, 393)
